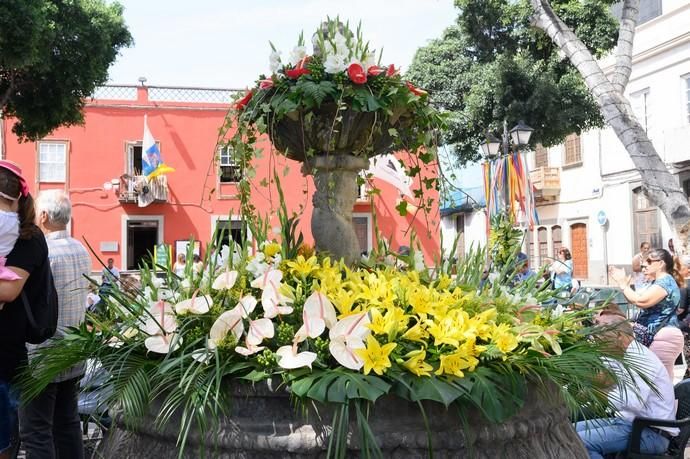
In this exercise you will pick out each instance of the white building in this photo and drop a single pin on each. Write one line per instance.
(592, 173)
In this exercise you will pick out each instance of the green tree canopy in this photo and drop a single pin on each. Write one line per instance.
(53, 54)
(492, 65)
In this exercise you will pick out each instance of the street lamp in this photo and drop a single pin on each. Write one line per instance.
(519, 137)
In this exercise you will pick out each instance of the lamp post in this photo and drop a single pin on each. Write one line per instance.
(512, 140)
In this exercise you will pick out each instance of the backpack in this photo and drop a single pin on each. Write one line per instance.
(42, 315)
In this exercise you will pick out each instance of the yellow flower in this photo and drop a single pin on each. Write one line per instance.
(443, 282)
(421, 301)
(416, 333)
(504, 339)
(375, 356)
(415, 363)
(453, 364)
(470, 349)
(344, 302)
(302, 266)
(271, 249)
(379, 325)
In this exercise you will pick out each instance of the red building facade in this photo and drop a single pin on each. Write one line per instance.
(97, 164)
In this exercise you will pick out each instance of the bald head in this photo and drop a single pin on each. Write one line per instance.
(615, 329)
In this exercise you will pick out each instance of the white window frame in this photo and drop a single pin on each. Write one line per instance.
(370, 239)
(230, 218)
(225, 160)
(685, 97)
(640, 101)
(123, 231)
(64, 163)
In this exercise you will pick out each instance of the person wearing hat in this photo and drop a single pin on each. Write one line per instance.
(26, 260)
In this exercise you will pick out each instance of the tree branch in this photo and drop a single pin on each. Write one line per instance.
(624, 48)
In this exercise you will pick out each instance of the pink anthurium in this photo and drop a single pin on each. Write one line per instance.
(289, 358)
(249, 350)
(163, 344)
(274, 303)
(161, 319)
(347, 335)
(194, 305)
(375, 70)
(225, 281)
(271, 277)
(317, 314)
(259, 330)
(266, 84)
(246, 305)
(227, 322)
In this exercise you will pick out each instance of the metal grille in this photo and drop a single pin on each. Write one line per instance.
(115, 92)
(199, 95)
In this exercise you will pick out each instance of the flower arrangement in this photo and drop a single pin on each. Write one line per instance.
(332, 333)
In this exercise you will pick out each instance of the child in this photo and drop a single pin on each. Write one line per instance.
(10, 192)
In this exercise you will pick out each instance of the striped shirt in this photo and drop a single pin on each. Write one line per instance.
(69, 262)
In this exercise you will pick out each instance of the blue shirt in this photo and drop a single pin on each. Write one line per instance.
(654, 317)
(565, 278)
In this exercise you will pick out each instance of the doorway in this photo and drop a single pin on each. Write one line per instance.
(142, 238)
(578, 237)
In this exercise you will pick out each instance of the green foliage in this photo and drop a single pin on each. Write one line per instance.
(504, 240)
(53, 54)
(492, 65)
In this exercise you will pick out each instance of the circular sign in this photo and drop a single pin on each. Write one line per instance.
(602, 218)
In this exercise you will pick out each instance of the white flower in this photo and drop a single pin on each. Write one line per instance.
(341, 44)
(161, 318)
(557, 311)
(249, 350)
(186, 283)
(274, 61)
(148, 293)
(227, 322)
(274, 303)
(369, 61)
(163, 344)
(347, 335)
(270, 278)
(335, 63)
(246, 305)
(419, 261)
(202, 355)
(289, 359)
(194, 305)
(298, 53)
(318, 313)
(156, 282)
(259, 330)
(165, 294)
(256, 265)
(225, 281)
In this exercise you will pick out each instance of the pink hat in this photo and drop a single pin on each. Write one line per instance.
(16, 170)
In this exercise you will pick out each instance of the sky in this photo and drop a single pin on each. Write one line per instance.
(224, 43)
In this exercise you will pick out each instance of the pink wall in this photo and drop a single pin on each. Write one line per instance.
(187, 134)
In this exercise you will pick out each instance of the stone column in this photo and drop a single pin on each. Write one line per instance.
(335, 177)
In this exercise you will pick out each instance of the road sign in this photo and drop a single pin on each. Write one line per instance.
(602, 218)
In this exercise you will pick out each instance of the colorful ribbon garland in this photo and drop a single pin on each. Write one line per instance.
(507, 187)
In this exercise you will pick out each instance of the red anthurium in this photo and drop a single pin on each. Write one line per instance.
(375, 70)
(357, 74)
(392, 71)
(299, 70)
(415, 90)
(266, 84)
(240, 104)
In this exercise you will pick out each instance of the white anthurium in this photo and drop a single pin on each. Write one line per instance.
(270, 278)
(334, 63)
(246, 305)
(194, 305)
(186, 283)
(202, 355)
(225, 281)
(274, 303)
(317, 314)
(298, 53)
(289, 358)
(259, 330)
(274, 61)
(165, 294)
(227, 322)
(257, 266)
(347, 335)
(161, 318)
(163, 344)
(250, 349)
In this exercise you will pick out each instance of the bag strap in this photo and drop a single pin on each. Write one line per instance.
(27, 309)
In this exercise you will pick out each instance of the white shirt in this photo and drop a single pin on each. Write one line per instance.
(9, 231)
(630, 405)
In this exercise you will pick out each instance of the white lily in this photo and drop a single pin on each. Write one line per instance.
(347, 335)
(369, 61)
(274, 61)
(227, 322)
(274, 303)
(194, 305)
(259, 330)
(317, 314)
(225, 281)
(249, 350)
(161, 319)
(157, 282)
(289, 358)
(257, 266)
(246, 305)
(334, 63)
(163, 344)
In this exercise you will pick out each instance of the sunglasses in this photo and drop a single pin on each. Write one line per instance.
(649, 261)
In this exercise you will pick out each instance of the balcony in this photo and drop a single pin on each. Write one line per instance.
(142, 190)
(546, 182)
